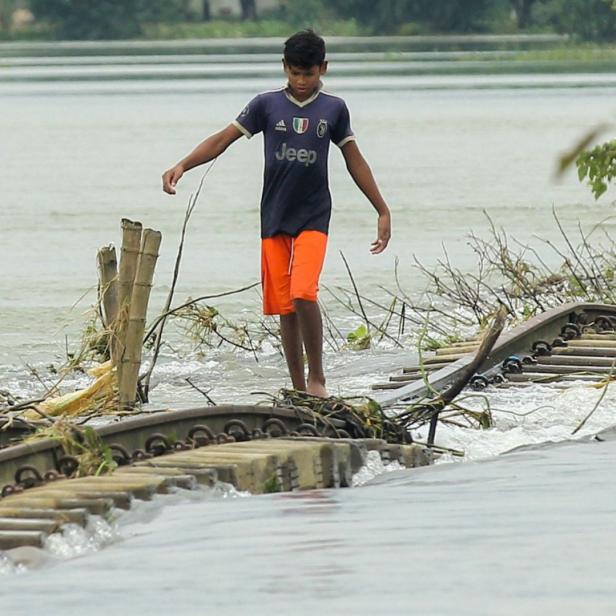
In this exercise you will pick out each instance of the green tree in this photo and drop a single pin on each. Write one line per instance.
(305, 13)
(599, 166)
(522, 10)
(249, 9)
(590, 20)
(105, 19)
(386, 16)
(6, 12)
(451, 16)
(596, 164)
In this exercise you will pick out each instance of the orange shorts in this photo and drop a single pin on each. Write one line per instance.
(290, 269)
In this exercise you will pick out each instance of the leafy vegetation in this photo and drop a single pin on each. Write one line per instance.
(589, 20)
(359, 338)
(92, 455)
(233, 28)
(75, 19)
(599, 166)
(593, 20)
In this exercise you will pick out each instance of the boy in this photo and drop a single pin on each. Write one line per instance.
(298, 122)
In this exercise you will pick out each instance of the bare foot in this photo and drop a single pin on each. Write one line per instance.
(315, 388)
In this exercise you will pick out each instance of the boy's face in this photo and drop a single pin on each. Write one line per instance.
(304, 81)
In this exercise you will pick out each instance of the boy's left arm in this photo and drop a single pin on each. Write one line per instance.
(362, 175)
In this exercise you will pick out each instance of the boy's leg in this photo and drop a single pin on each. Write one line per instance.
(293, 350)
(307, 262)
(276, 254)
(311, 328)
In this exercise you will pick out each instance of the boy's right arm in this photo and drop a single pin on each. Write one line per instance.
(207, 150)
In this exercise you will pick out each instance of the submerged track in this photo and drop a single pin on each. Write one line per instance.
(268, 448)
(573, 342)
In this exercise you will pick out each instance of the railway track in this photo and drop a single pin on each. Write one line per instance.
(574, 342)
(256, 449)
(267, 449)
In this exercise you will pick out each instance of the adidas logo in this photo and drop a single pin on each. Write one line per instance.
(281, 126)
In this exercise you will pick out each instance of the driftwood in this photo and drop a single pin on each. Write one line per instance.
(131, 243)
(488, 341)
(131, 358)
(430, 409)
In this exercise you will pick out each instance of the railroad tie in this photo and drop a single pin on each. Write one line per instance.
(410, 456)
(584, 351)
(12, 539)
(225, 472)
(120, 499)
(60, 516)
(28, 500)
(314, 463)
(247, 472)
(202, 476)
(349, 452)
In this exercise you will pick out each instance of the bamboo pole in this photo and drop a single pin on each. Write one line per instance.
(131, 358)
(108, 289)
(129, 255)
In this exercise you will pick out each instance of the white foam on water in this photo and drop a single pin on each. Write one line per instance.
(373, 467)
(529, 416)
(8, 566)
(73, 541)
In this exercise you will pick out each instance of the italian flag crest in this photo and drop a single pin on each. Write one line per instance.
(300, 125)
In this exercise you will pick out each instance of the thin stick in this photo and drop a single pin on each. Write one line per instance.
(204, 393)
(594, 408)
(24, 405)
(361, 306)
(374, 325)
(192, 203)
(154, 326)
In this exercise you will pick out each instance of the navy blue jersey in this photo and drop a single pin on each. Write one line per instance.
(297, 134)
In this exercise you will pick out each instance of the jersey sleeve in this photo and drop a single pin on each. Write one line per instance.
(251, 121)
(342, 132)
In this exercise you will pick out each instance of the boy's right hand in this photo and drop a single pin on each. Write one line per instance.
(171, 178)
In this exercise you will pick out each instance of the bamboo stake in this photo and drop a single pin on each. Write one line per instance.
(131, 241)
(108, 288)
(131, 358)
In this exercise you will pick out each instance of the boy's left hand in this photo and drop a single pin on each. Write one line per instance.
(383, 234)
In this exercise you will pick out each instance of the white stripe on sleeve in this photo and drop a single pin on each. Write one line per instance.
(242, 129)
(346, 140)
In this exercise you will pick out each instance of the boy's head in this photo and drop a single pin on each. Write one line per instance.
(304, 63)
(304, 49)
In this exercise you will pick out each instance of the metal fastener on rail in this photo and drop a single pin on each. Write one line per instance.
(479, 382)
(28, 476)
(158, 444)
(200, 435)
(274, 422)
(307, 429)
(541, 347)
(120, 454)
(67, 465)
(238, 429)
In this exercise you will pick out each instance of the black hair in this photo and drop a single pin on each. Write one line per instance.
(304, 49)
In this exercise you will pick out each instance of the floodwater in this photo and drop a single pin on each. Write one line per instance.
(85, 133)
(528, 533)
(82, 151)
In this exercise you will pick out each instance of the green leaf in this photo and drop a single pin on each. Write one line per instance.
(359, 339)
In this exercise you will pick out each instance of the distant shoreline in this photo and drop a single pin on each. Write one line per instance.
(547, 51)
(267, 41)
